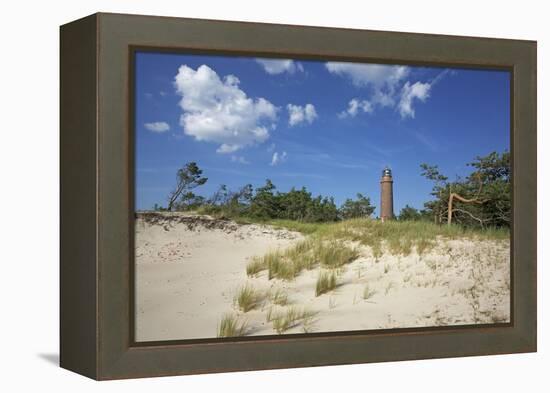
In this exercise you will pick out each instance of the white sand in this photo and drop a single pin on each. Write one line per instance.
(187, 276)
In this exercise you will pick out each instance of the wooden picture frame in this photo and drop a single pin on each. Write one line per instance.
(97, 196)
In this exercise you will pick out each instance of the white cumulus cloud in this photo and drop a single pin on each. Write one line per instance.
(217, 110)
(354, 106)
(417, 91)
(378, 76)
(298, 114)
(279, 66)
(277, 158)
(157, 126)
(388, 86)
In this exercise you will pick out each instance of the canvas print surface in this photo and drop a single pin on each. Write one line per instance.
(281, 196)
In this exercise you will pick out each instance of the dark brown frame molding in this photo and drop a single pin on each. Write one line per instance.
(97, 178)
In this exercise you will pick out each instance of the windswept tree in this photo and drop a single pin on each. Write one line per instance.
(482, 199)
(237, 203)
(220, 196)
(242, 196)
(460, 196)
(187, 178)
(358, 208)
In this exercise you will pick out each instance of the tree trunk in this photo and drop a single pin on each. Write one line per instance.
(174, 197)
(450, 209)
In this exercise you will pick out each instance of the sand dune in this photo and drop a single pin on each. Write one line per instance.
(189, 268)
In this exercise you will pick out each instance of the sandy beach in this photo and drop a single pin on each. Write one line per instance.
(189, 269)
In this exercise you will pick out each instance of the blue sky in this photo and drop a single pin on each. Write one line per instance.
(329, 126)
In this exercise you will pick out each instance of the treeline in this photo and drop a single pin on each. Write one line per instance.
(262, 203)
(481, 199)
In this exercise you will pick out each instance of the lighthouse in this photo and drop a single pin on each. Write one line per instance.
(386, 195)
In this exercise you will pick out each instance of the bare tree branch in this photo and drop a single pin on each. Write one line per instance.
(481, 221)
(476, 200)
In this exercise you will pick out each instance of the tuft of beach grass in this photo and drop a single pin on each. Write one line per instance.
(247, 298)
(230, 326)
(291, 317)
(326, 282)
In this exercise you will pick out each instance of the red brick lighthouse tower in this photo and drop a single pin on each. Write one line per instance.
(386, 195)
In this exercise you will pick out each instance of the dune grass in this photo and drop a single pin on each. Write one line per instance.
(402, 237)
(326, 282)
(291, 317)
(368, 292)
(230, 326)
(335, 254)
(304, 255)
(328, 244)
(247, 298)
(306, 228)
(279, 297)
(333, 245)
(409, 232)
(255, 266)
(284, 270)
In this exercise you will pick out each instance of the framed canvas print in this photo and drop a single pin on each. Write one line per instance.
(240, 196)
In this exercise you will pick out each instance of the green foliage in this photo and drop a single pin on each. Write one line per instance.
(494, 171)
(409, 213)
(359, 208)
(296, 205)
(225, 203)
(264, 204)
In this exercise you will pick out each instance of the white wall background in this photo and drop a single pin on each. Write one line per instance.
(29, 193)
